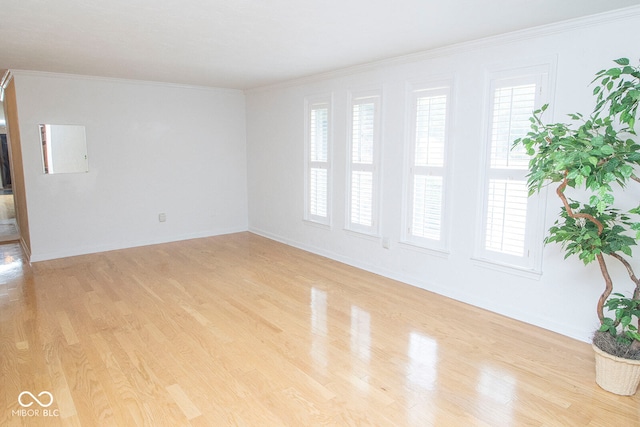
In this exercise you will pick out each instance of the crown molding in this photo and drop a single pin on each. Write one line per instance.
(485, 42)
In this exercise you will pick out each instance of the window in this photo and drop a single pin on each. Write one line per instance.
(511, 220)
(318, 165)
(362, 215)
(425, 198)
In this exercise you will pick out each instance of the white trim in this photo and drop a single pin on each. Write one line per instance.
(316, 224)
(441, 85)
(363, 235)
(410, 246)
(309, 101)
(507, 268)
(544, 74)
(376, 95)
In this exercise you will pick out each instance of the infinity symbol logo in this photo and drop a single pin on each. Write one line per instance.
(26, 405)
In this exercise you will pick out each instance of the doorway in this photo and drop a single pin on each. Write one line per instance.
(8, 224)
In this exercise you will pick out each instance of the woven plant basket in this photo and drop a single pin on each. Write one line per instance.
(615, 374)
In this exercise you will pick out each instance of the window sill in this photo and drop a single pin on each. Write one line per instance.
(415, 247)
(363, 234)
(317, 224)
(516, 270)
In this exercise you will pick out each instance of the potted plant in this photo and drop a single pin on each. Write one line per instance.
(597, 155)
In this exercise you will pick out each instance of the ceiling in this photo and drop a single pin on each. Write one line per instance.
(250, 43)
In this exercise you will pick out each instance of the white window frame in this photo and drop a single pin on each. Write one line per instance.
(312, 103)
(355, 98)
(530, 262)
(414, 92)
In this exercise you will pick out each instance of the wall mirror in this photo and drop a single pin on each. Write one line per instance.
(64, 149)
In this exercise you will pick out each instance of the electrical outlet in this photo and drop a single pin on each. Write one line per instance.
(162, 217)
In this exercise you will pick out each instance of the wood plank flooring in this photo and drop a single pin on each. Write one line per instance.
(239, 330)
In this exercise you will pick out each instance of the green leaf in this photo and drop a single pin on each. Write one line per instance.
(607, 150)
(597, 141)
(613, 72)
(633, 157)
(626, 171)
(621, 61)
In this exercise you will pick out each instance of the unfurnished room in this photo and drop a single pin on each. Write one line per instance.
(292, 213)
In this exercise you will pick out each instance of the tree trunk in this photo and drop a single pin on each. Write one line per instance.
(608, 288)
(603, 265)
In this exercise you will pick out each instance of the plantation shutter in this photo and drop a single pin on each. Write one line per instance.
(427, 206)
(427, 171)
(362, 202)
(512, 107)
(506, 205)
(318, 163)
(506, 216)
(318, 192)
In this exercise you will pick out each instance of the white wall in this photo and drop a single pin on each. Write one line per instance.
(563, 299)
(151, 148)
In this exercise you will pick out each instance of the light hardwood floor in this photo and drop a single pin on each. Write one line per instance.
(239, 330)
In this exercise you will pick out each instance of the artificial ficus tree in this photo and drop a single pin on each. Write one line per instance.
(599, 154)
